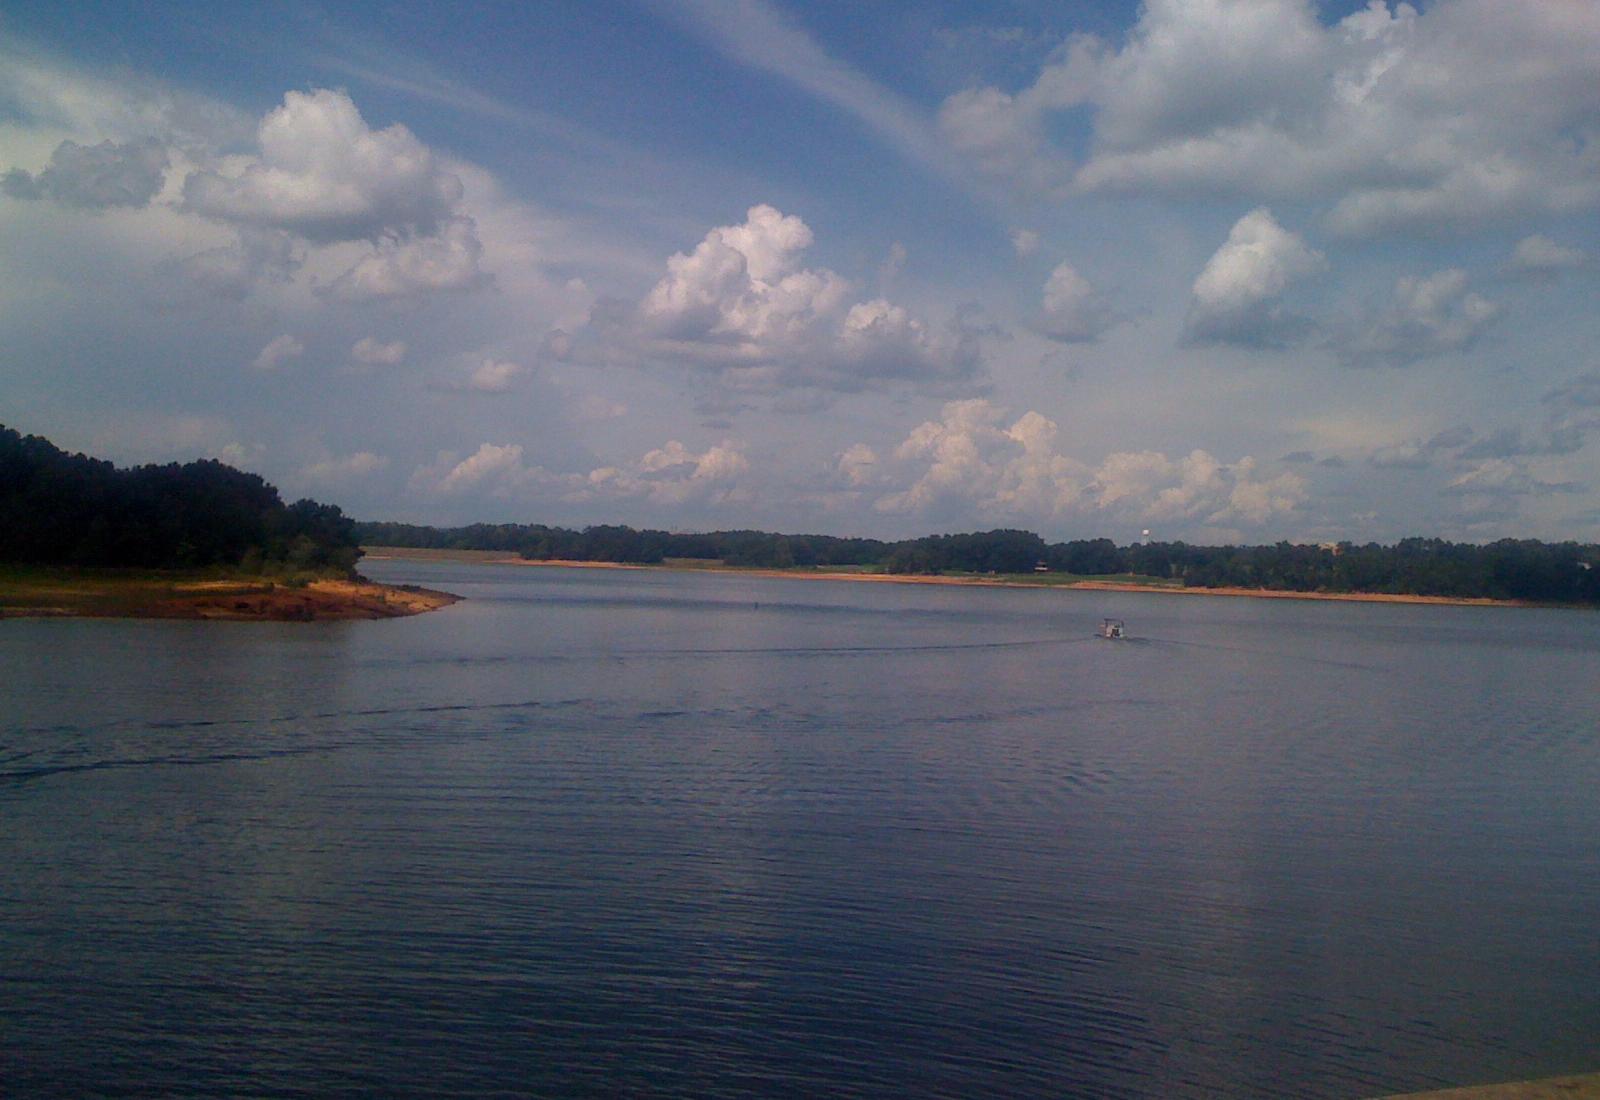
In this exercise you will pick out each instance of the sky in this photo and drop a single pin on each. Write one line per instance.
(1220, 270)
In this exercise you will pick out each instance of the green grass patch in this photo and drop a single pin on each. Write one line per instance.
(68, 591)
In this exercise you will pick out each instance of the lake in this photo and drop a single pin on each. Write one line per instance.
(622, 832)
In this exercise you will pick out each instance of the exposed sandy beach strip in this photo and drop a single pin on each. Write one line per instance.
(1583, 1087)
(99, 597)
(317, 601)
(1091, 586)
(1273, 594)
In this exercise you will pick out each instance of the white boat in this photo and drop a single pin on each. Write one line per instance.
(1112, 628)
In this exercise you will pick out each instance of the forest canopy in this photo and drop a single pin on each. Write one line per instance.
(58, 508)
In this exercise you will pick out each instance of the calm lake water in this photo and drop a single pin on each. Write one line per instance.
(610, 833)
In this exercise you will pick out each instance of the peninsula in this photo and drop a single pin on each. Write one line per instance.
(81, 537)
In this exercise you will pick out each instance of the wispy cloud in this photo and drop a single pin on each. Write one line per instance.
(396, 71)
(758, 35)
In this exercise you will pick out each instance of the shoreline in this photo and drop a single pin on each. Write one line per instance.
(1585, 1086)
(62, 594)
(493, 557)
(1285, 594)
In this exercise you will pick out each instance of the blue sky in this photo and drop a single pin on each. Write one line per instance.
(1229, 270)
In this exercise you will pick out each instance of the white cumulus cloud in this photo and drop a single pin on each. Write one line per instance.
(1539, 255)
(323, 174)
(973, 460)
(1004, 137)
(496, 467)
(495, 376)
(1235, 297)
(279, 350)
(1464, 112)
(742, 304)
(334, 471)
(671, 474)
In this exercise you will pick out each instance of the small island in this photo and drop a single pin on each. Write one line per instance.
(81, 537)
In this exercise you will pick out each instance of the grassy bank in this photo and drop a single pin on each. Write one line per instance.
(39, 591)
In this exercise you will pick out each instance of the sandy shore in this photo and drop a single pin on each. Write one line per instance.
(1274, 594)
(103, 596)
(1583, 1087)
(490, 557)
(1103, 586)
(317, 601)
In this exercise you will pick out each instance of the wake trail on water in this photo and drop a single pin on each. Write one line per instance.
(67, 757)
(22, 762)
(312, 716)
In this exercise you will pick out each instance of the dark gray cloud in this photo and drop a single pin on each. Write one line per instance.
(94, 177)
(1514, 442)
(1461, 445)
(1582, 392)
(1263, 326)
(1503, 478)
(1402, 456)
(1072, 310)
(1427, 316)
(404, 267)
(234, 270)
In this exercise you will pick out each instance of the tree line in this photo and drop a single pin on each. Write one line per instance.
(58, 508)
(1516, 569)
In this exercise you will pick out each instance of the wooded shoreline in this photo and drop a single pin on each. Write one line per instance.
(491, 557)
(1524, 571)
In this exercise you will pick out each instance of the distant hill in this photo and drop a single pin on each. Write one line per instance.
(67, 509)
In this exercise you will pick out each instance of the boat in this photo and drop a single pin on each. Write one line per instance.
(1112, 628)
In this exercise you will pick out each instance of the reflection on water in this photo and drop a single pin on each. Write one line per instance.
(613, 832)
